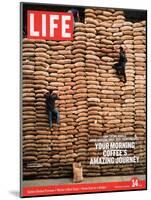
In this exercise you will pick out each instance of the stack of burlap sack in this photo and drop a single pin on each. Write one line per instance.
(93, 103)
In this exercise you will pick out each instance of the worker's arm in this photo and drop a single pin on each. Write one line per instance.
(47, 103)
(78, 16)
(57, 97)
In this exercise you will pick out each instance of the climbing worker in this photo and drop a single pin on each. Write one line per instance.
(50, 106)
(75, 14)
(120, 65)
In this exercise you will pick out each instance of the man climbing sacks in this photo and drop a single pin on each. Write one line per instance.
(120, 65)
(50, 106)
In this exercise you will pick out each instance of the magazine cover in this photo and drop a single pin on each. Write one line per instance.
(83, 99)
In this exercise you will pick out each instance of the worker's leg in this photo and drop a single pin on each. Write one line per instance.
(50, 119)
(123, 72)
(56, 112)
(116, 67)
(124, 77)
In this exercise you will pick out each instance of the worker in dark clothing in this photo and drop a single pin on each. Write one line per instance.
(75, 14)
(120, 66)
(50, 106)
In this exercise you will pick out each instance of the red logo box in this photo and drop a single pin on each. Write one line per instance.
(49, 25)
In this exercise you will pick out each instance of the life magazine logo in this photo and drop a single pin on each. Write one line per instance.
(49, 25)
